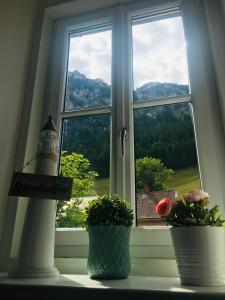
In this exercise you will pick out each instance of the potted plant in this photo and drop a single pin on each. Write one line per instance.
(198, 238)
(108, 222)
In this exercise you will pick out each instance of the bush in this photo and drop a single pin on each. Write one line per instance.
(108, 210)
(151, 174)
(76, 166)
(69, 214)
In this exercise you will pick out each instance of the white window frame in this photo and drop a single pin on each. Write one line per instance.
(146, 243)
(74, 242)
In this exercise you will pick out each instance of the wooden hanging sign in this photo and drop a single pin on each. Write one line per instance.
(41, 186)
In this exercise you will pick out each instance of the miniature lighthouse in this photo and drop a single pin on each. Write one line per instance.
(36, 253)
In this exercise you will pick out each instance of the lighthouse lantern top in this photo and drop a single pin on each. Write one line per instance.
(49, 125)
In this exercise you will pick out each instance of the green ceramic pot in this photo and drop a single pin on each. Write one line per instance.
(109, 253)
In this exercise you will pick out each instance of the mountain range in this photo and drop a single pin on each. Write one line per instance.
(83, 92)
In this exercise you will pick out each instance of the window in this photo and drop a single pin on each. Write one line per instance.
(126, 110)
(164, 139)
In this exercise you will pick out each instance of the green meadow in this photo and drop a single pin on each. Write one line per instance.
(182, 180)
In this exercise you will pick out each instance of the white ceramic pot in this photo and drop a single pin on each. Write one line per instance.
(200, 254)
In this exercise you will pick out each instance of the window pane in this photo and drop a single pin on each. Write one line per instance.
(86, 141)
(89, 71)
(159, 59)
(163, 135)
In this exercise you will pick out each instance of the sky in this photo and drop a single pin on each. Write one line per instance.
(159, 53)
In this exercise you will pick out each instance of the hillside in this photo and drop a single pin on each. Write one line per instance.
(83, 92)
(155, 90)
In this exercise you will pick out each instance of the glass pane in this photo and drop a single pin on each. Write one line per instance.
(166, 158)
(89, 71)
(86, 158)
(159, 59)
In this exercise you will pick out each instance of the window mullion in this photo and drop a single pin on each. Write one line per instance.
(129, 180)
(117, 159)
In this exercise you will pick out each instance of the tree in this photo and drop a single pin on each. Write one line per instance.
(151, 174)
(76, 166)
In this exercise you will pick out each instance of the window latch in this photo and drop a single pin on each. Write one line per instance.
(124, 137)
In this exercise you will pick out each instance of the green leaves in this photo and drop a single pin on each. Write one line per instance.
(152, 173)
(187, 213)
(108, 210)
(76, 166)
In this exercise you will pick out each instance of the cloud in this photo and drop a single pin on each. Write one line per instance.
(159, 53)
(90, 54)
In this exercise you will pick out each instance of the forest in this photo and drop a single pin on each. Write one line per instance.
(165, 132)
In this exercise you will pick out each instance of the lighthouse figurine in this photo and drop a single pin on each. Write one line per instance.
(36, 253)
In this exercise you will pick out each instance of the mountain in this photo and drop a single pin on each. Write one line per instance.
(156, 90)
(164, 131)
(83, 92)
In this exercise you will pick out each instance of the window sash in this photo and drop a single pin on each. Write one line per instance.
(120, 20)
(121, 42)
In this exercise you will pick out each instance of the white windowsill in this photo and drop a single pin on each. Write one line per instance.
(151, 251)
(155, 235)
(168, 285)
(155, 267)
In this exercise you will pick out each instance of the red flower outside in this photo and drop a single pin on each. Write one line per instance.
(164, 207)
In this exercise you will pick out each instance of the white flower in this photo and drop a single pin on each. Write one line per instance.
(196, 195)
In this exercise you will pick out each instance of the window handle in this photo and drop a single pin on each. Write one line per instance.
(124, 137)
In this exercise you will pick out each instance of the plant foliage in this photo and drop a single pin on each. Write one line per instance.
(76, 166)
(108, 210)
(185, 213)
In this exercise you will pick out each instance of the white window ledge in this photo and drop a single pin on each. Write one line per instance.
(156, 235)
(159, 267)
(151, 251)
(82, 286)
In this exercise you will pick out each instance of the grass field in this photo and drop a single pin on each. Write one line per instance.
(183, 181)
(102, 186)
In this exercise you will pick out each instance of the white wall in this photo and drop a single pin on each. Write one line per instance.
(17, 24)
